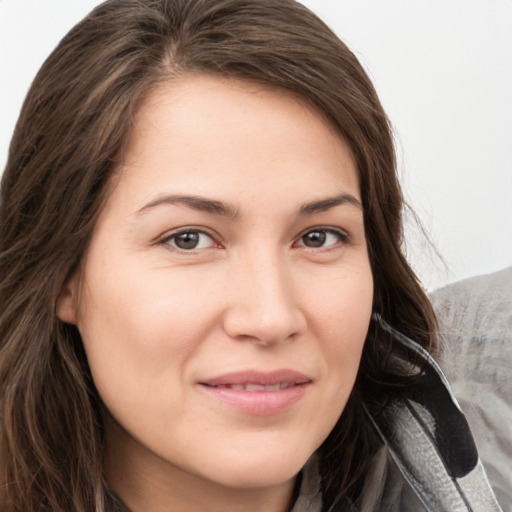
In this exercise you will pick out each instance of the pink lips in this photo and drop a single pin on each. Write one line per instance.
(258, 393)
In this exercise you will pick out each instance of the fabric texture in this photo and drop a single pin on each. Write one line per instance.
(475, 320)
(428, 436)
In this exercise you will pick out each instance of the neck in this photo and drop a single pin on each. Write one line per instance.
(150, 484)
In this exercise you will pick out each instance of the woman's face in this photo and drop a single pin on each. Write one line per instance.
(226, 292)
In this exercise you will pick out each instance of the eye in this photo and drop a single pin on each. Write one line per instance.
(189, 240)
(321, 238)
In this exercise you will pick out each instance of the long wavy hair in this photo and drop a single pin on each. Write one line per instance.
(67, 142)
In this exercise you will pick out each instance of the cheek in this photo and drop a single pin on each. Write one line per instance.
(341, 305)
(339, 315)
(342, 317)
(148, 307)
(140, 330)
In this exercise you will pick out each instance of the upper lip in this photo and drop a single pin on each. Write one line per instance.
(291, 377)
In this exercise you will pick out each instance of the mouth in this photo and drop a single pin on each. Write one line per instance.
(255, 388)
(258, 393)
(254, 380)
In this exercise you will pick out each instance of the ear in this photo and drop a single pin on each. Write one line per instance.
(66, 307)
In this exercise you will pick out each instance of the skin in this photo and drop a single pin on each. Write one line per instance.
(255, 293)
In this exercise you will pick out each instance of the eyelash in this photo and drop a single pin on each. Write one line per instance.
(342, 236)
(168, 240)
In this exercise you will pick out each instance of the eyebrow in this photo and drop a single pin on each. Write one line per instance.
(323, 205)
(227, 210)
(196, 203)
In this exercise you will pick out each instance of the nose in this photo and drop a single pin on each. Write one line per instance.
(263, 306)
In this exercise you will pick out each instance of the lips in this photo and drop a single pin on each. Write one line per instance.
(258, 393)
(254, 387)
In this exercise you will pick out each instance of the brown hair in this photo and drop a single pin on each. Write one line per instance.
(72, 127)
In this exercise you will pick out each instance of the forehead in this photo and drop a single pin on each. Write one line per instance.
(204, 95)
(201, 131)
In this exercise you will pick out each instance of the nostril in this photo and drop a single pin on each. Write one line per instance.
(255, 339)
(266, 339)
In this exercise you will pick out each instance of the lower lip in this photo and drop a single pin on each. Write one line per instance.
(259, 403)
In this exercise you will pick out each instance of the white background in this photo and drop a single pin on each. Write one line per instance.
(443, 70)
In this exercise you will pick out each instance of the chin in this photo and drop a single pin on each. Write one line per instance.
(259, 469)
(263, 479)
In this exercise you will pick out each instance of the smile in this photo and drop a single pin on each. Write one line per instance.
(254, 388)
(258, 393)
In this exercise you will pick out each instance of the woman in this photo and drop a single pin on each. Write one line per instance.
(200, 217)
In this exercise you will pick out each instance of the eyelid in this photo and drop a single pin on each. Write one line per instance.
(169, 235)
(344, 237)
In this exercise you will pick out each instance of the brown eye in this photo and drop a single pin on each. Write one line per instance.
(190, 240)
(314, 238)
(321, 238)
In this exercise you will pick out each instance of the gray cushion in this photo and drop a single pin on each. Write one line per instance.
(475, 318)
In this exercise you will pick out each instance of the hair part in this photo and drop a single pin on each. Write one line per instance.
(68, 140)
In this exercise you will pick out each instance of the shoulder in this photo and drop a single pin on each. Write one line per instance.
(475, 321)
(481, 305)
